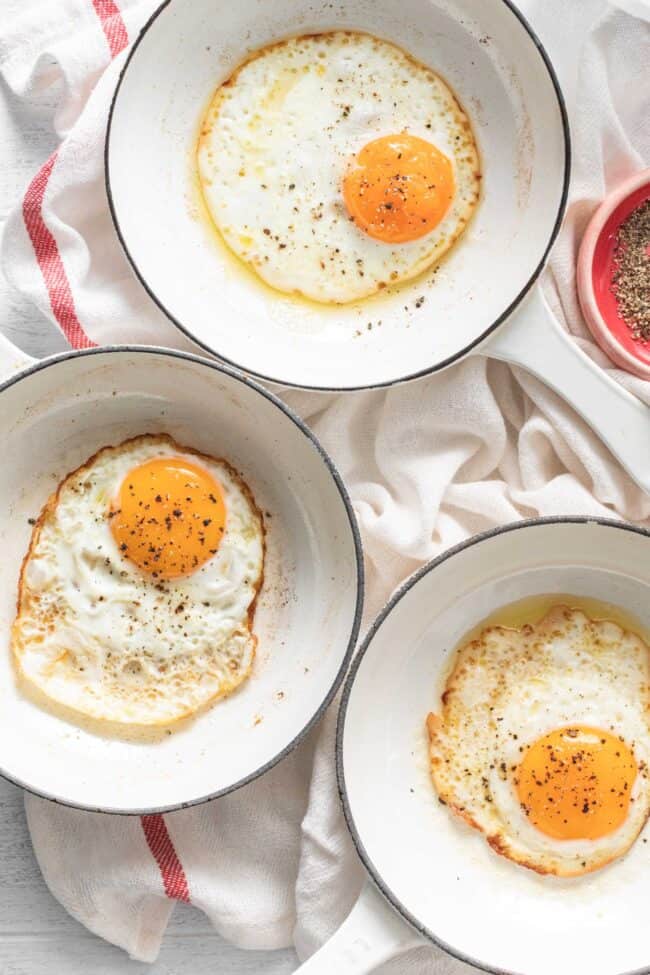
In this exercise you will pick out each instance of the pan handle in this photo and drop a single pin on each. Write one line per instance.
(371, 934)
(12, 359)
(532, 338)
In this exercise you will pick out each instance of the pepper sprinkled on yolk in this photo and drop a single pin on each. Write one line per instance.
(575, 783)
(169, 517)
(399, 188)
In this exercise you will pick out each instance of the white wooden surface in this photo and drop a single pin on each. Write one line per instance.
(36, 934)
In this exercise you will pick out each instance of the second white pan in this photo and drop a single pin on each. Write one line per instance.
(53, 416)
(436, 872)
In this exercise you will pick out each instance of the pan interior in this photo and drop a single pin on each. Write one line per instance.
(55, 419)
(494, 66)
(439, 871)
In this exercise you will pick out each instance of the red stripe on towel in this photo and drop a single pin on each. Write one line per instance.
(43, 242)
(49, 260)
(63, 307)
(154, 826)
(112, 24)
(162, 848)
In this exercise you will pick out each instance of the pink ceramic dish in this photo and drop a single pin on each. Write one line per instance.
(594, 276)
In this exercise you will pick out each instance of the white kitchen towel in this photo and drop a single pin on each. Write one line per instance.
(427, 464)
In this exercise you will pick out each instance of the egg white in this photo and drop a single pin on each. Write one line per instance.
(508, 689)
(96, 634)
(278, 138)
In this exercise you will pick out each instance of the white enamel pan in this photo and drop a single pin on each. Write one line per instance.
(54, 415)
(482, 298)
(437, 873)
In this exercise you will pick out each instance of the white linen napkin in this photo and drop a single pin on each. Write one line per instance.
(427, 464)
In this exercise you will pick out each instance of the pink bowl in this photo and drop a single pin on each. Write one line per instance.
(594, 275)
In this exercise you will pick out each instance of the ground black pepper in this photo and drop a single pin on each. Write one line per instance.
(631, 278)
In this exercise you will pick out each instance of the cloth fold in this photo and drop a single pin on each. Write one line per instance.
(427, 464)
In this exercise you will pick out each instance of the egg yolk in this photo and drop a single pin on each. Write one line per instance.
(169, 517)
(399, 188)
(575, 783)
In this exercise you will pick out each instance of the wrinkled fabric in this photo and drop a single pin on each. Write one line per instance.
(427, 464)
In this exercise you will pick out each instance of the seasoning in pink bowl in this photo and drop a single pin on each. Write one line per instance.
(631, 275)
(613, 274)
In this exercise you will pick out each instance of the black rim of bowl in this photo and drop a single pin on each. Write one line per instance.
(373, 871)
(52, 362)
(428, 370)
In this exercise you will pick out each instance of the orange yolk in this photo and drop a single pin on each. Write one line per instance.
(399, 188)
(575, 783)
(169, 517)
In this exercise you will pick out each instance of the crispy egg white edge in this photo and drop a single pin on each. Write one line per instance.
(530, 846)
(421, 254)
(49, 509)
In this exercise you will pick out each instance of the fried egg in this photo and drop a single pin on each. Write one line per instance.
(335, 164)
(542, 741)
(137, 594)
